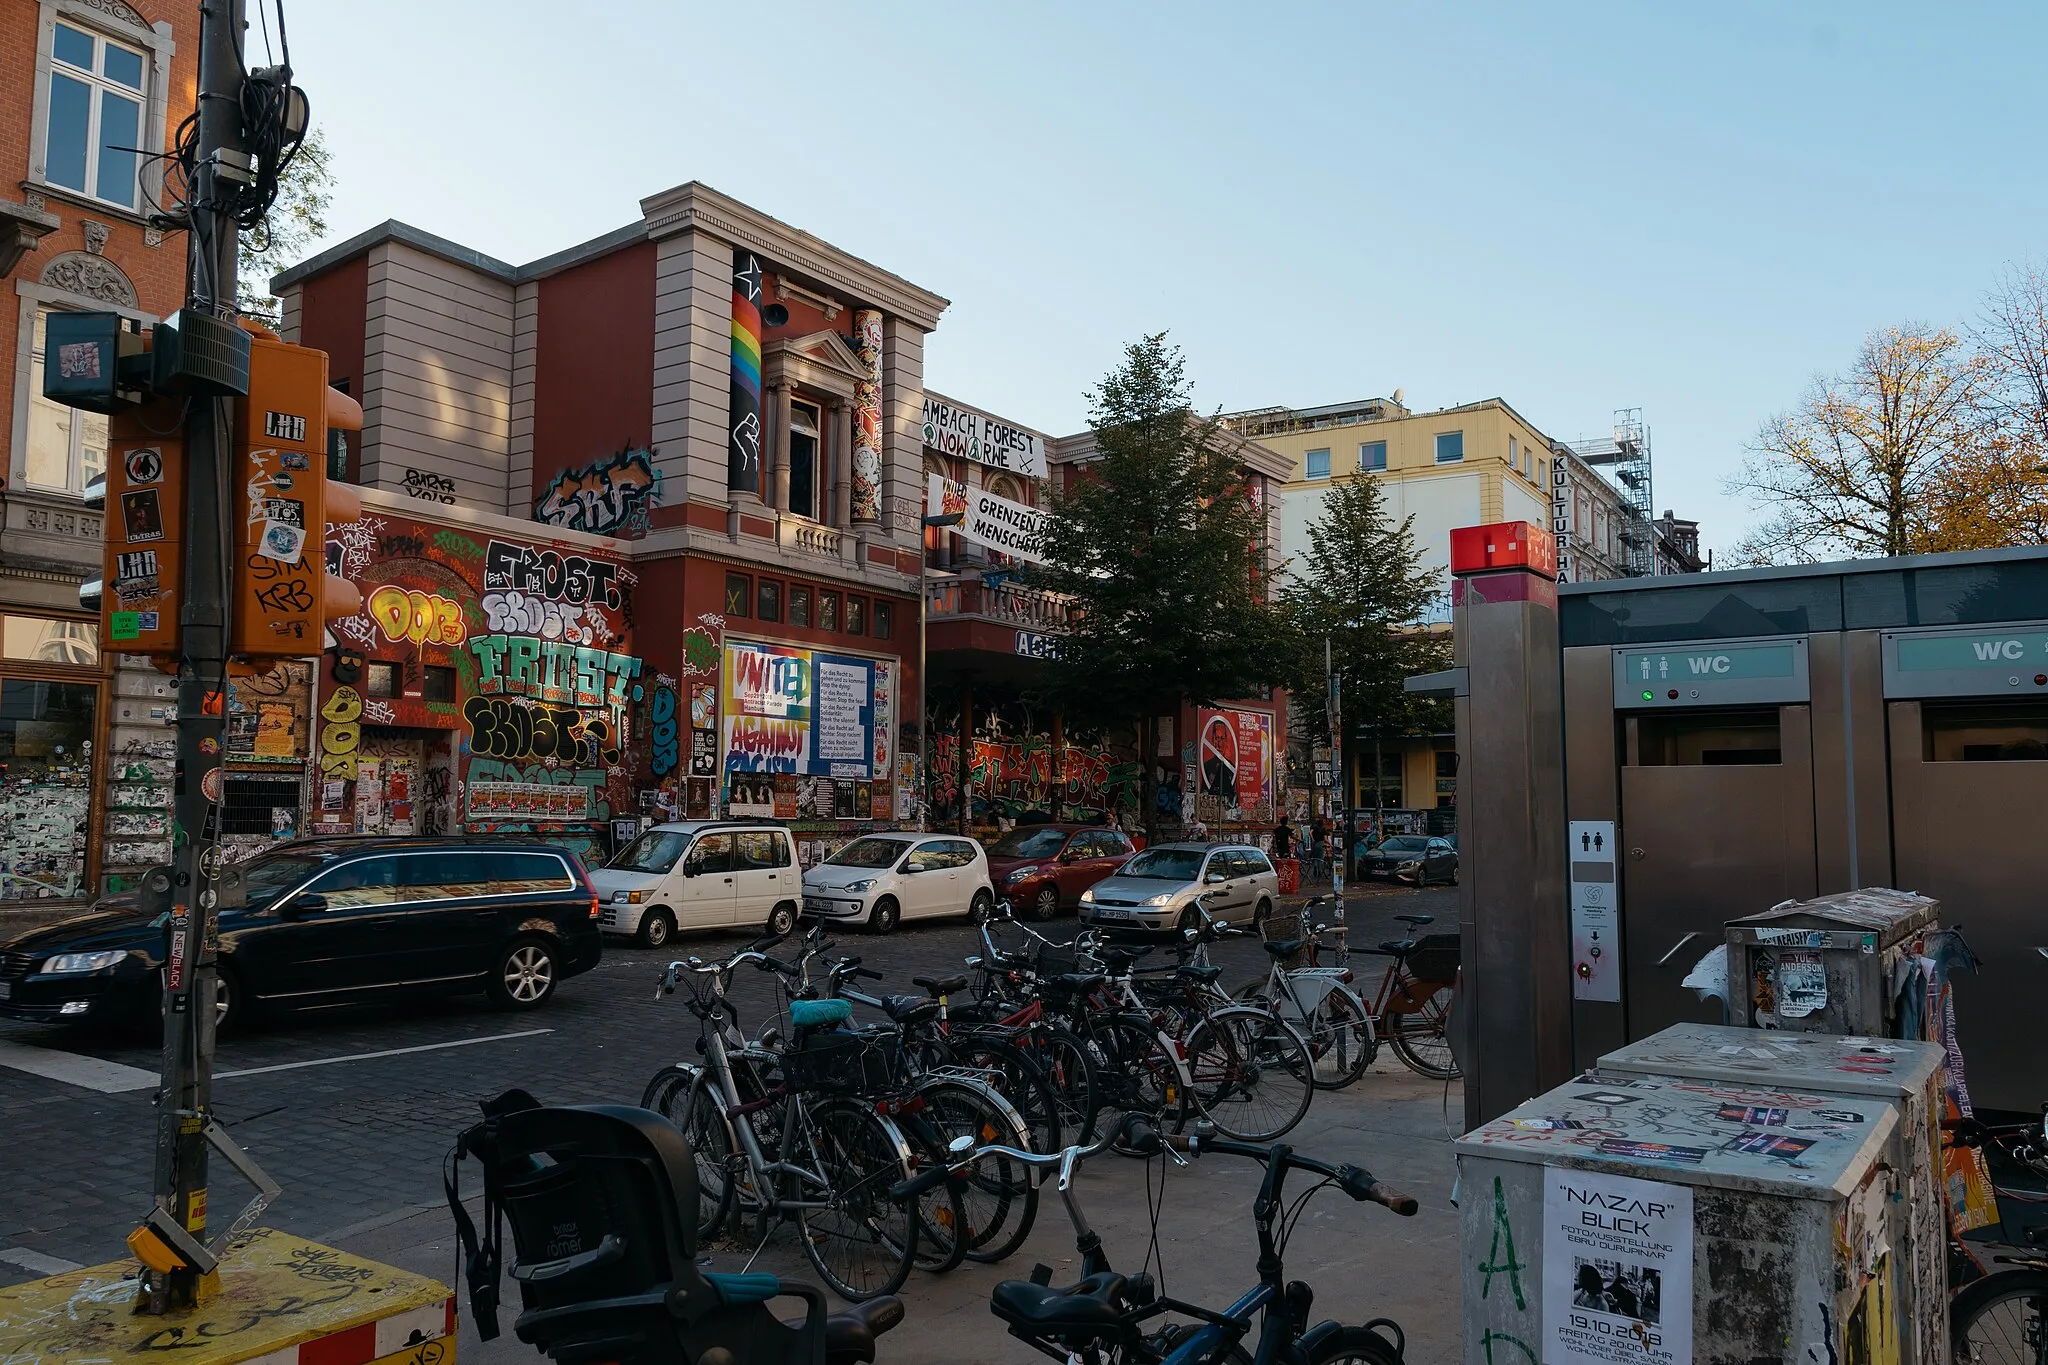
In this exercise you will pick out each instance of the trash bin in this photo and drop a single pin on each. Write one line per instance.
(1905, 1074)
(1828, 965)
(1290, 874)
(1666, 1221)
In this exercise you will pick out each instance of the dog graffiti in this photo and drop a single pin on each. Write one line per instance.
(554, 576)
(419, 617)
(501, 727)
(663, 730)
(341, 736)
(604, 496)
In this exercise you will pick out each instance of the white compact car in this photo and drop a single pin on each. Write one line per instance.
(884, 878)
(700, 874)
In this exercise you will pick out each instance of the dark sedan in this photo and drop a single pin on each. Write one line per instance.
(330, 921)
(1420, 859)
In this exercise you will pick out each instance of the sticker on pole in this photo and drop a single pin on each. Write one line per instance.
(1617, 1270)
(209, 785)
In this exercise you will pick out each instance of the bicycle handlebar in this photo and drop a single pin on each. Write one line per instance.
(1353, 1180)
(930, 1179)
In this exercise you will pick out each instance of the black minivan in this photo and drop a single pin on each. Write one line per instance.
(327, 921)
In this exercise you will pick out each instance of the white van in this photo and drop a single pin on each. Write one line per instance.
(700, 874)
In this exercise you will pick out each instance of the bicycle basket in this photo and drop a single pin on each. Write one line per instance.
(1283, 925)
(841, 1063)
(1435, 958)
(1056, 959)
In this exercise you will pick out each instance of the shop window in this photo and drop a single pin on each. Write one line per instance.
(739, 592)
(1316, 465)
(95, 115)
(799, 606)
(1708, 739)
(828, 611)
(41, 640)
(1450, 447)
(67, 447)
(1372, 455)
(46, 731)
(1980, 732)
(381, 680)
(803, 460)
(439, 683)
(856, 616)
(768, 601)
(885, 620)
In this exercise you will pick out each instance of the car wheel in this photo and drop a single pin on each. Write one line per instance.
(1046, 904)
(657, 926)
(525, 975)
(882, 919)
(982, 906)
(1188, 920)
(1263, 913)
(781, 921)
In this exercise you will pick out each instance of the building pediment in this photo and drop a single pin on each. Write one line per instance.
(819, 360)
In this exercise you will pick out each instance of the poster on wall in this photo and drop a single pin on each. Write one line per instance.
(793, 710)
(785, 796)
(1617, 1270)
(987, 519)
(703, 753)
(1236, 763)
(843, 799)
(697, 802)
(751, 794)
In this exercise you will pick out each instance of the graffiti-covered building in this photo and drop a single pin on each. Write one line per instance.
(641, 530)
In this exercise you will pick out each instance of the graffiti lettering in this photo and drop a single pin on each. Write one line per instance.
(285, 597)
(422, 618)
(557, 577)
(502, 728)
(341, 736)
(1011, 777)
(553, 670)
(531, 615)
(760, 744)
(400, 545)
(1503, 1231)
(662, 718)
(418, 483)
(1486, 1344)
(605, 496)
(771, 681)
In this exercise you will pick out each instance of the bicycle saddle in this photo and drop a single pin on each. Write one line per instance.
(1119, 960)
(806, 1014)
(1080, 982)
(1285, 947)
(909, 1009)
(1092, 1303)
(1398, 947)
(940, 985)
(850, 1335)
(1196, 973)
(1417, 920)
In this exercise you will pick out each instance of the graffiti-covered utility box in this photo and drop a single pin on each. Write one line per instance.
(1661, 1220)
(1834, 964)
(1907, 1074)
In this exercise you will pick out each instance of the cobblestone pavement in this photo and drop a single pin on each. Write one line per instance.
(353, 1110)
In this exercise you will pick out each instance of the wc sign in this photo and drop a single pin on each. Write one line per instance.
(1954, 663)
(1711, 673)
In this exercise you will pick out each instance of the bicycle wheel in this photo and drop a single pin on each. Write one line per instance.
(1135, 1076)
(1249, 1073)
(1338, 1031)
(1355, 1346)
(2001, 1319)
(1021, 1081)
(999, 1198)
(1419, 1033)
(683, 1096)
(941, 1211)
(860, 1241)
(1070, 1072)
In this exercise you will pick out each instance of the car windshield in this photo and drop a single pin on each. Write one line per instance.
(869, 853)
(1029, 843)
(1405, 843)
(654, 851)
(1164, 864)
(265, 878)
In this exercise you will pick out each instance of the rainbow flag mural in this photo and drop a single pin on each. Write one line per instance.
(743, 449)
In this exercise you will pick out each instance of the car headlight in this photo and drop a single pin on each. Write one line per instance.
(865, 884)
(627, 897)
(1408, 865)
(1088, 895)
(1020, 874)
(1163, 898)
(72, 964)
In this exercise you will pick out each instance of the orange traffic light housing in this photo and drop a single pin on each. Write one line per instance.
(280, 505)
(143, 545)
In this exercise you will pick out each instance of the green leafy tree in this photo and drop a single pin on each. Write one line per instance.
(297, 219)
(1163, 552)
(1354, 604)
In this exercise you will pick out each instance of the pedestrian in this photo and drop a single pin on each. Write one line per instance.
(1197, 831)
(1283, 839)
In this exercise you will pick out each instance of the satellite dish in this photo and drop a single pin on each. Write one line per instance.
(1397, 395)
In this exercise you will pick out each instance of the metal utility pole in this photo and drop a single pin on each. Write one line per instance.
(184, 1097)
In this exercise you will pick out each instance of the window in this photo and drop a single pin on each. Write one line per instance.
(42, 640)
(1254, 862)
(1514, 454)
(46, 785)
(439, 683)
(803, 460)
(367, 881)
(1450, 447)
(1372, 455)
(799, 606)
(95, 122)
(382, 681)
(856, 616)
(828, 611)
(928, 858)
(884, 620)
(67, 447)
(1317, 464)
(656, 850)
(713, 853)
(739, 592)
(768, 605)
(762, 848)
(1446, 763)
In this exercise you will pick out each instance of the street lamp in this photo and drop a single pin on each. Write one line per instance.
(923, 611)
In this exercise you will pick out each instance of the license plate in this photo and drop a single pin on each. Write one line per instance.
(1112, 914)
(822, 906)
(6, 990)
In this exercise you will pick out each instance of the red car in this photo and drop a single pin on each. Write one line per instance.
(1041, 868)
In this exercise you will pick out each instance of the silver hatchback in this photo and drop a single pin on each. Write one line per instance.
(1155, 889)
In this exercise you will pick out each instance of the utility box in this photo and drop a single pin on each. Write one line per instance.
(1831, 964)
(1905, 1074)
(1666, 1221)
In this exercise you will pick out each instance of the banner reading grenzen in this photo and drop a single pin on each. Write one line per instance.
(996, 522)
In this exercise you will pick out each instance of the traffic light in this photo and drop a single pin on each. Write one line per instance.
(280, 502)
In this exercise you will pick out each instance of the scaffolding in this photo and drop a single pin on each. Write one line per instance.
(1627, 454)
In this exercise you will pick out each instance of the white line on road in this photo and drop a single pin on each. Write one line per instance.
(88, 1073)
(36, 1261)
(370, 1056)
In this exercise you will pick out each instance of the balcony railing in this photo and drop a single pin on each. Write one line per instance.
(1025, 608)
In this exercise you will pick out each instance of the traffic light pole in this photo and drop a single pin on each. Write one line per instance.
(184, 1097)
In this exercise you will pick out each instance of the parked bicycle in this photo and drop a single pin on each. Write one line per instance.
(1412, 1009)
(2000, 1317)
(1318, 1001)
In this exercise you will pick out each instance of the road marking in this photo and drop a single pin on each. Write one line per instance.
(371, 1056)
(88, 1073)
(36, 1261)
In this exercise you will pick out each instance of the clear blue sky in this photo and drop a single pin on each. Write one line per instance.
(1577, 207)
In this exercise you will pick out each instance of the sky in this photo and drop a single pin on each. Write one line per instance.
(1688, 209)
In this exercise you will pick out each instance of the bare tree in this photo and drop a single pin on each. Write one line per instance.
(2012, 336)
